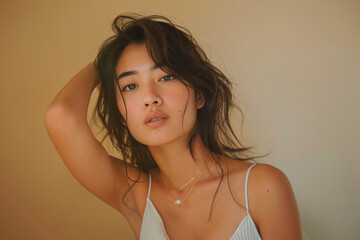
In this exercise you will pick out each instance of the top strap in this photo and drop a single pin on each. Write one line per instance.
(148, 196)
(246, 187)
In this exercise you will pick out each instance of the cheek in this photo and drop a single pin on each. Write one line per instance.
(179, 95)
(184, 103)
(121, 105)
(128, 109)
(124, 106)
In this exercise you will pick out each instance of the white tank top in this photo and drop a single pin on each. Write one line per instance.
(152, 227)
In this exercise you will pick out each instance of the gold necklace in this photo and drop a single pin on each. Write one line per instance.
(178, 201)
(192, 179)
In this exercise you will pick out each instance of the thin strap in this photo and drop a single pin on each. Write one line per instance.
(246, 187)
(148, 196)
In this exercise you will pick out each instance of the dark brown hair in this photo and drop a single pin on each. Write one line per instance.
(175, 50)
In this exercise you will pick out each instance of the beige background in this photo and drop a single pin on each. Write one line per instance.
(296, 65)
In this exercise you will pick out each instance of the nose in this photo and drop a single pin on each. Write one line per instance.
(152, 97)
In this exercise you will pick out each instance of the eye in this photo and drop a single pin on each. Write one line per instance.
(167, 78)
(129, 87)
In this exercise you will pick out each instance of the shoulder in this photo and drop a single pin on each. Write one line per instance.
(272, 202)
(267, 185)
(129, 173)
(268, 180)
(132, 186)
(262, 177)
(263, 180)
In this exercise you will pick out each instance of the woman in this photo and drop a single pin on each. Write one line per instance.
(183, 173)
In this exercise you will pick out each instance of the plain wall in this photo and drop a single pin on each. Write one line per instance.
(296, 68)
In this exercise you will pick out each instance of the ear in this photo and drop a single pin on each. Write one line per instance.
(200, 101)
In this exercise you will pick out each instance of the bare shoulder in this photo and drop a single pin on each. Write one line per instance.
(131, 200)
(267, 179)
(267, 186)
(272, 203)
(137, 182)
(262, 177)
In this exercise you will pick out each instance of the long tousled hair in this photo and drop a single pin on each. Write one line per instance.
(175, 50)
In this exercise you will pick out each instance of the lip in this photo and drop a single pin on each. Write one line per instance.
(156, 123)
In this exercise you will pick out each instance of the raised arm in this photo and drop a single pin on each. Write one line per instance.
(87, 160)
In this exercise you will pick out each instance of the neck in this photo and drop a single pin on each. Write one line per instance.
(176, 163)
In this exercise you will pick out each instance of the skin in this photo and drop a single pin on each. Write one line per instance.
(147, 89)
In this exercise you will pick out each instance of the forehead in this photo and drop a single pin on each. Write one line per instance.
(134, 57)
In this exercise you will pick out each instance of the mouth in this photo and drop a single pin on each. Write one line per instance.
(156, 122)
(156, 119)
(157, 116)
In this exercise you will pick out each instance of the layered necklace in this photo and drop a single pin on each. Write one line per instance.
(178, 201)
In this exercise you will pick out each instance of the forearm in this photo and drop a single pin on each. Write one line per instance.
(74, 97)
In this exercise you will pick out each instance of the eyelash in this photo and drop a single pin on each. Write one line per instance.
(169, 76)
(126, 88)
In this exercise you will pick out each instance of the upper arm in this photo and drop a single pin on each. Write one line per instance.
(273, 205)
(86, 158)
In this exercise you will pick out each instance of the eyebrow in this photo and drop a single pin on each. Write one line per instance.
(129, 73)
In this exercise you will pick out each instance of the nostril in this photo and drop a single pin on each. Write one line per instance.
(154, 102)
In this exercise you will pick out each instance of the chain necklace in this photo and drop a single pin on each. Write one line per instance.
(192, 179)
(178, 201)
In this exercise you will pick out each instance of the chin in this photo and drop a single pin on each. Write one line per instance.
(160, 141)
(156, 143)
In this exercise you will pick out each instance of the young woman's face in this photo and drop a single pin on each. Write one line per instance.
(159, 108)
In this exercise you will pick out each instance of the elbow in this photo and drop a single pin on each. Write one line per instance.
(58, 116)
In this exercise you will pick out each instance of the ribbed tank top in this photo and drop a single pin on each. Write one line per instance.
(152, 227)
